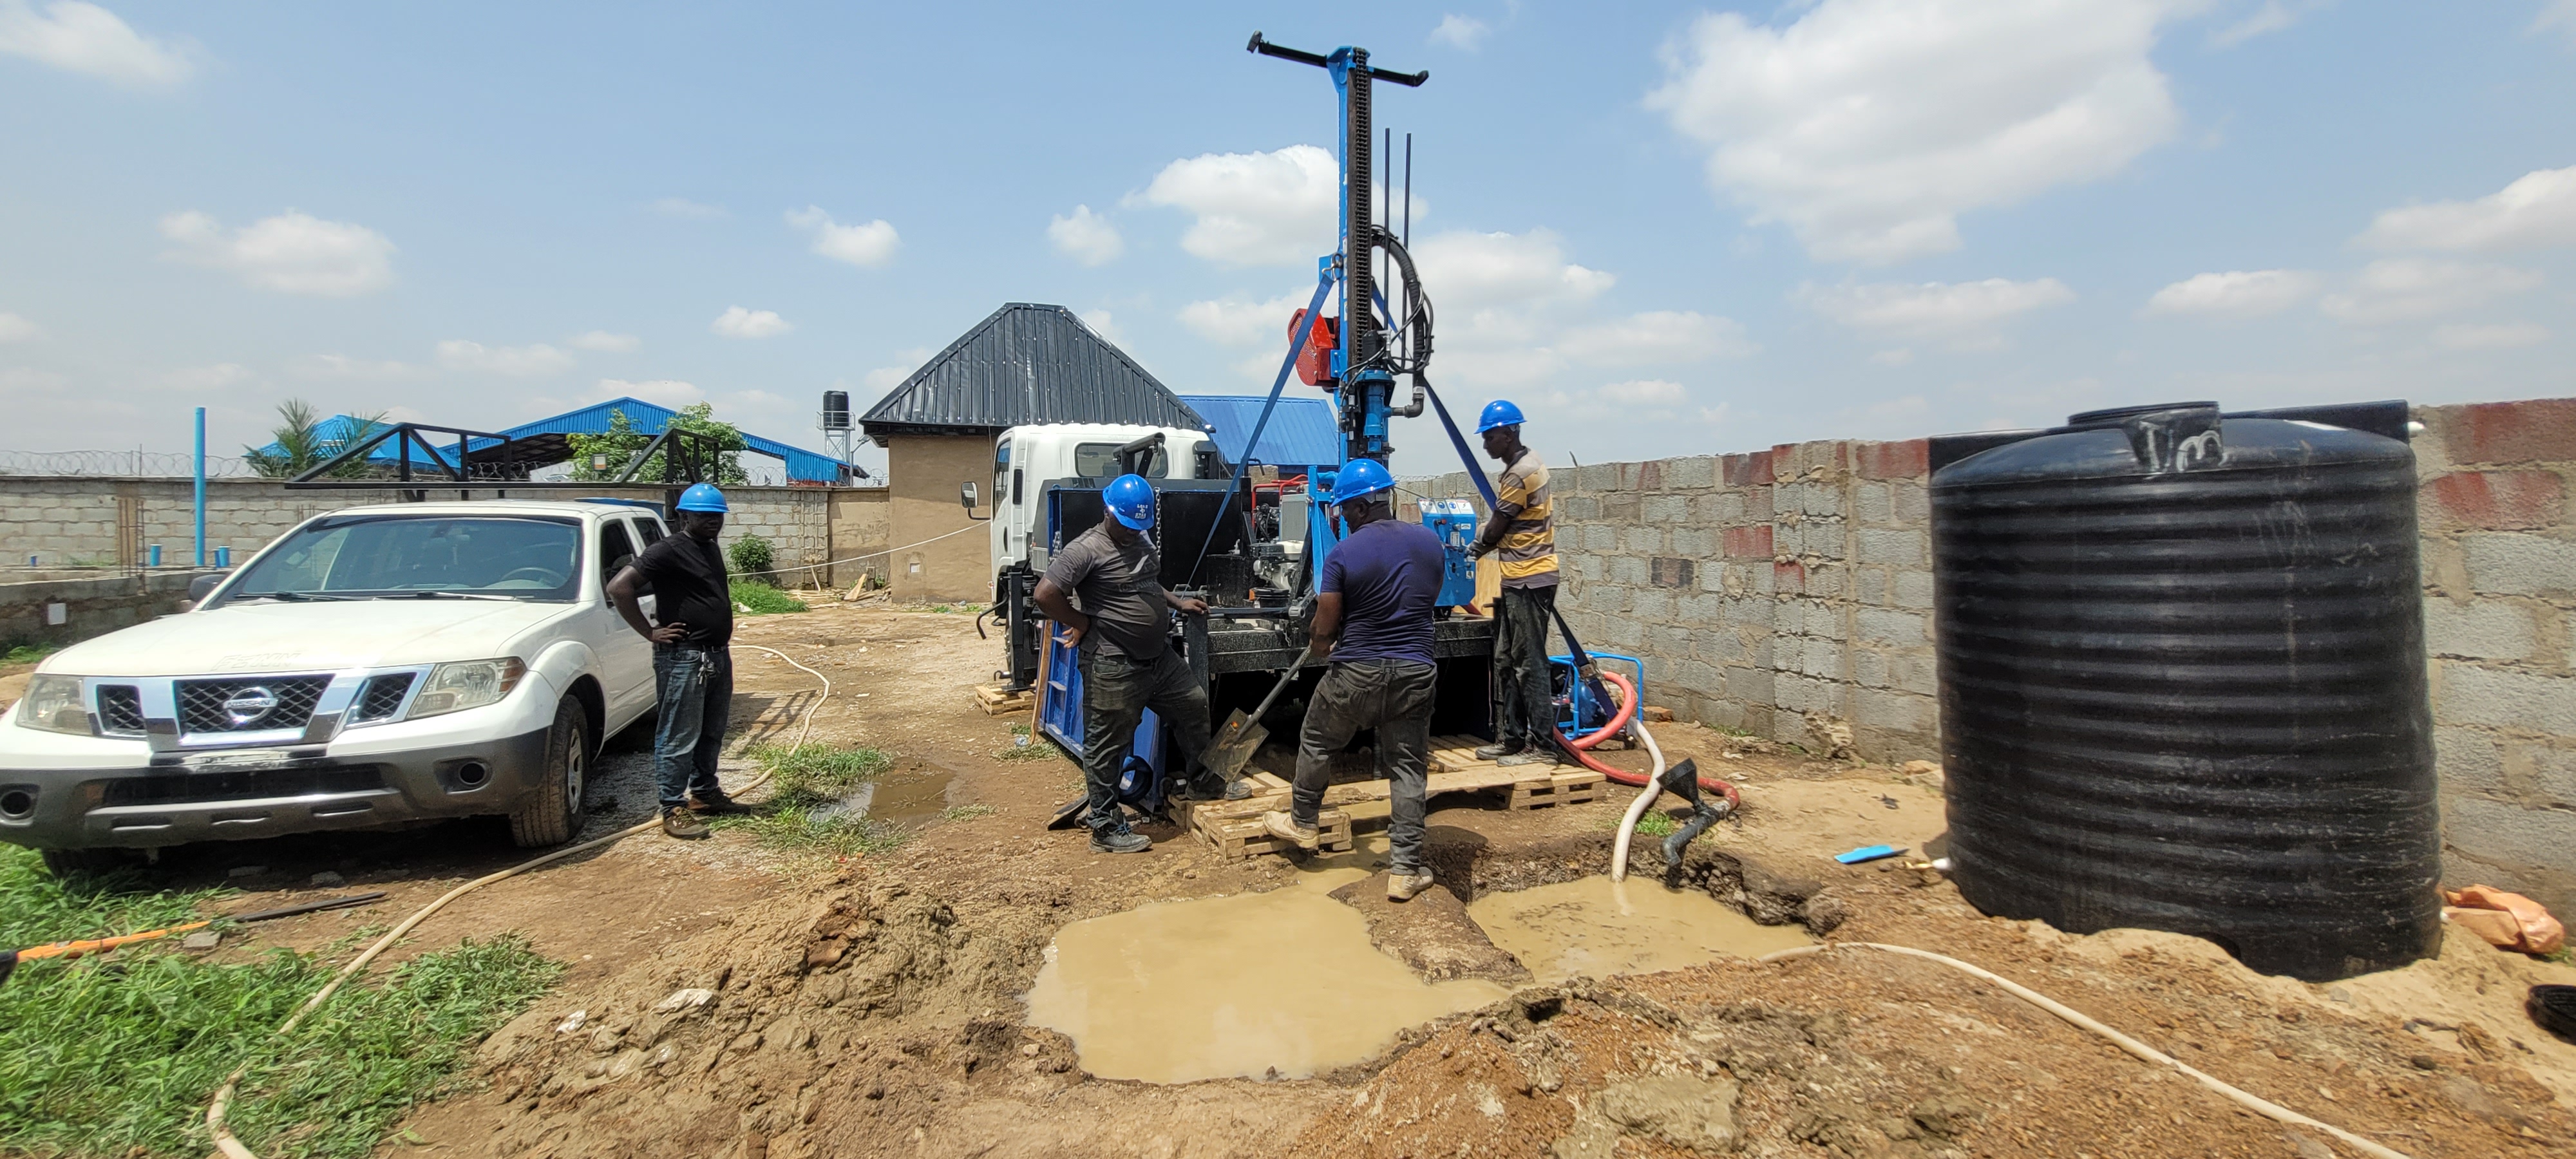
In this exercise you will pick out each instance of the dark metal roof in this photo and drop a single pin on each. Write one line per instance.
(1302, 432)
(1028, 363)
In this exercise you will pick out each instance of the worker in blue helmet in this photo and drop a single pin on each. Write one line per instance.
(1522, 537)
(692, 656)
(1375, 602)
(1104, 590)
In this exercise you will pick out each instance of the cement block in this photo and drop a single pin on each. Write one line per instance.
(1821, 499)
(1690, 472)
(1873, 503)
(1913, 504)
(2512, 563)
(1651, 604)
(1894, 711)
(1695, 542)
(1665, 508)
(1821, 619)
(1788, 653)
(1698, 677)
(2509, 835)
(1824, 661)
(1870, 668)
(1890, 626)
(2511, 700)
(2553, 772)
(1904, 547)
(2480, 630)
(1748, 612)
(1748, 685)
(1872, 588)
(1914, 589)
(1919, 675)
(2468, 762)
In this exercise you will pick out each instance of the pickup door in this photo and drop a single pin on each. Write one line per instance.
(625, 659)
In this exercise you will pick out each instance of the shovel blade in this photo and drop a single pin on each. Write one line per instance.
(1235, 743)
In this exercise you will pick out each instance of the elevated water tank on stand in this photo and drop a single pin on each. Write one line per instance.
(2183, 685)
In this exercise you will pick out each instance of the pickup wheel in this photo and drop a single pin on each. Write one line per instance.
(551, 813)
(70, 863)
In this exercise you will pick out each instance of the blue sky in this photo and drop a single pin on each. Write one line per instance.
(1663, 229)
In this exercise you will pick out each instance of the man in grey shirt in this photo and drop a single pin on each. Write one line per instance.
(1124, 631)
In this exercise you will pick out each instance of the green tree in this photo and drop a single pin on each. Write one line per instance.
(623, 442)
(302, 447)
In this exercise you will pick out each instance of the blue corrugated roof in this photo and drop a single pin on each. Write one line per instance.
(338, 431)
(1302, 431)
(650, 418)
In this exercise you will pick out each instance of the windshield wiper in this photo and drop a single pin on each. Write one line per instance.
(289, 597)
(439, 595)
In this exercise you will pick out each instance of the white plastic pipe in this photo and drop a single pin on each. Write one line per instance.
(1646, 798)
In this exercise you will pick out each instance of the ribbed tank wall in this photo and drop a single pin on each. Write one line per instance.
(2192, 697)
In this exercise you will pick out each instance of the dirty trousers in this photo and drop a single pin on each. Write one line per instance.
(1394, 697)
(1116, 691)
(693, 688)
(1523, 708)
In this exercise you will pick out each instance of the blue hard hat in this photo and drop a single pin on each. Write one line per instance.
(1131, 500)
(1359, 479)
(1498, 413)
(702, 497)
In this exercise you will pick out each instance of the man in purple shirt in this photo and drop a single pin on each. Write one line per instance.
(1373, 616)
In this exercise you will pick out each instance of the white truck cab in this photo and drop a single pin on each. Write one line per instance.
(1025, 458)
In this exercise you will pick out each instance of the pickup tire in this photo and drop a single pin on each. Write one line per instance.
(551, 812)
(71, 863)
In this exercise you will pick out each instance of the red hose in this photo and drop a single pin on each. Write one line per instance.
(1581, 746)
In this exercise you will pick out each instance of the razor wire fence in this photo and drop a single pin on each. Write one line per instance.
(122, 464)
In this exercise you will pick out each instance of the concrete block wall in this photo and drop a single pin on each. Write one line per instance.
(2499, 551)
(91, 605)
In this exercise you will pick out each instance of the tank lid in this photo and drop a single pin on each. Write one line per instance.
(2114, 416)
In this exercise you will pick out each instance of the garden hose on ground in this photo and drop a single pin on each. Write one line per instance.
(233, 1147)
(2263, 1107)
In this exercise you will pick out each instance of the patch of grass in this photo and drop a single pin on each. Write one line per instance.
(818, 773)
(116, 1055)
(764, 600)
(2563, 955)
(807, 779)
(1656, 823)
(804, 829)
(1026, 745)
(29, 653)
(967, 812)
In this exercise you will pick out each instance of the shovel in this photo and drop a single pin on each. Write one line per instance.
(1242, 735)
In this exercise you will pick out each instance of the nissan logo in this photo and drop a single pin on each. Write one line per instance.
(250, 704)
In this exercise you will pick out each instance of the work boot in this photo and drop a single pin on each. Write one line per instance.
(716, 804)
(1285, 827)
(1120, 841)
(1210, 787)
(1537, 754)
(1403, 885)
(677, 821)
(1499, 749)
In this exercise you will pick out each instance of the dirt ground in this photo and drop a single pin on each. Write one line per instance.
(871, 1007)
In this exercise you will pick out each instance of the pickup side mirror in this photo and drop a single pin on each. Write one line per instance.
(203, 586)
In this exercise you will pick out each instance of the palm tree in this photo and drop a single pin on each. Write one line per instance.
(301, 445)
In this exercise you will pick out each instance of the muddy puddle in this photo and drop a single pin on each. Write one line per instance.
(1284, 983)
(1595, 927)
(912, 797)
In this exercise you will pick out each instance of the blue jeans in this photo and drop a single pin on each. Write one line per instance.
(694, 688)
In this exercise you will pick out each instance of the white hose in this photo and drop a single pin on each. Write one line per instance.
(232, 1147)
(1646, 797)
(2263, 1107)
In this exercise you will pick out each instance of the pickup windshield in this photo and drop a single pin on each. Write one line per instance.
(419, 556)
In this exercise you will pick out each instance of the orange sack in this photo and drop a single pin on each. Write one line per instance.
(2508, 921)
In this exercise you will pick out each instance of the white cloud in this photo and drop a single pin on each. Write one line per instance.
(604, 340)
(2538, 209)
(208, 378)
(885, 378)
(15, 328)
(293, 252)
(1086, 237)
(2236, 293)
(2272, 16)
(86, 38)
(2496, 336)
(1241, 322)
(1655, 337)
(1644, 392)
(2560, 14)
(341, 366)
(530, 361)
(1868, 126)
(1104, 325)
(1466, 269)
(2415, 290)
(683, 207)
(871, 244)
(737, 322)
(1964, 315)
(669, 392)
(1465, 33)
(1257, 209)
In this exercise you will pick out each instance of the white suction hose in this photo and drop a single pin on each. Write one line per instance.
(1646, 798)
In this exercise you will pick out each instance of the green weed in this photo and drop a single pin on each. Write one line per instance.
(764, 600)
(1656, 823)
(967, 812)
(117, 1055)
(1026, 745)
(29, 653)
(817, 773)
(807, 779)
(803, 829)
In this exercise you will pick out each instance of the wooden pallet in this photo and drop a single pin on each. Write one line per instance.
(1561, 789)
(996, 700)
(1242, 836)
(1454, 769)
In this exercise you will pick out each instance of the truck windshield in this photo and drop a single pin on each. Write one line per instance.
(419, 556)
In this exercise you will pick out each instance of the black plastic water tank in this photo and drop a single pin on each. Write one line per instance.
(2182, 685)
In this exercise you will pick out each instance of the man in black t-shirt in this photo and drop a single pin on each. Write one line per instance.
(692, 657)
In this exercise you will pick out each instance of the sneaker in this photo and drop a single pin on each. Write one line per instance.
(1284, 827)
(1533, 755)
(717, 805)
(1122, 841)
(1499, 749)
(1403, 886)
(677, 821)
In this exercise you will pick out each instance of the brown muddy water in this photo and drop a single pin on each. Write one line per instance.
(1283, 983)
(1595, 927)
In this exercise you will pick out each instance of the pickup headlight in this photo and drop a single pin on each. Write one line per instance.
(55, 704)
(466, 684)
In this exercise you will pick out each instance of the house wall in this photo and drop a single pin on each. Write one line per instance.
(926, 471)
(1769, 590)
(862, 528)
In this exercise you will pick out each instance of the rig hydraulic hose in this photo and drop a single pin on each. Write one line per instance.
(232, 1146)
(1581, 745)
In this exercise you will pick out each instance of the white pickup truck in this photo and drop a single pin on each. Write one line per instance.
(375, 666)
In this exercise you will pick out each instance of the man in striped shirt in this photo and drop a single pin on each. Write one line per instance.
(1522, 536)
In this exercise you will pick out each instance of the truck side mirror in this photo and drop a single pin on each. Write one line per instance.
(202, 586)
(966, 497)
